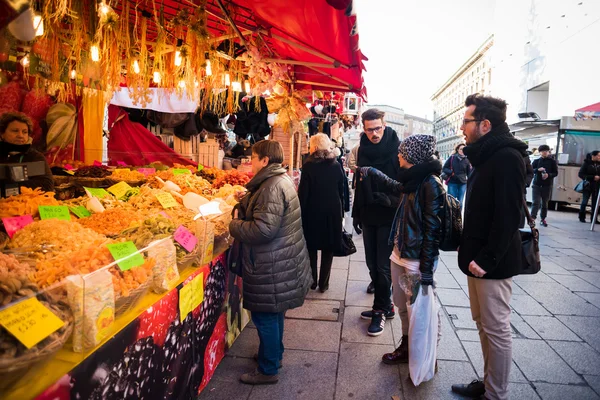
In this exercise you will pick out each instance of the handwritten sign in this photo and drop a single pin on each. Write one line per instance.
(126, 255)
(54, 212)
(147, 171)
(119, 189)
(80, 211)
(97, 192)
(30, 321)
(14, 224)
(185, 238)
(197, 290)
(167, 200)
(97, 163)
(185, 301)
(181, 171)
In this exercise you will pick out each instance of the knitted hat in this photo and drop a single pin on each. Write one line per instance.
(417, 149)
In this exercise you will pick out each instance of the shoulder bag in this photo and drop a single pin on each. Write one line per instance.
(530, 245)
(582, 186)
(348, 248)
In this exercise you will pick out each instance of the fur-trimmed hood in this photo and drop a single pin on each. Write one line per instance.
(321, 155)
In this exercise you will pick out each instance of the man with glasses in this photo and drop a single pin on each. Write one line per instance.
(490, 249)
(374, 210)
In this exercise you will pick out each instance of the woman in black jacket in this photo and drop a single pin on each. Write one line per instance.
(590, 172)
(416, 229)
(321, 193)
(457, 170)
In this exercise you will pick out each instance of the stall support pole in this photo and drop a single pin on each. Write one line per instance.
(595, 215)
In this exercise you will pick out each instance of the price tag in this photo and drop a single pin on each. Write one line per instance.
(197, 290)
(147, 171)
(185, 238)
(68, 167)
(167, 200)
(126, 255)
(97, 163)
(185, 300)
(96, 192)
(121, 164)
(164, 214)
(80, 211)
(14, 224)
(200, 167)
(119, 189)
(56, 212)
(181, 171)
(70, 172)
(30, 321)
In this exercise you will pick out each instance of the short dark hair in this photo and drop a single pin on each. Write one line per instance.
(372, 114)
(458, 146)
(269, 148)
(487, 107)
(595, 153)
(9, 117)
(544, 147)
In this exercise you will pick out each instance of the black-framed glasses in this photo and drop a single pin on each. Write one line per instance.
(466, 121)
(373, 130)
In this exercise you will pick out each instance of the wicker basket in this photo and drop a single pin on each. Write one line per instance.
(62, 180)
(189, 259)
(12, 369)
(90, 182)
(123, 304)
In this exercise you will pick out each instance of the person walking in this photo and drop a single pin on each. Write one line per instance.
(373, 213)
(321, 194)
(416, 229)
(490, 251)
(276, 267)
(590, 172)
(545, 170)
(456, 170)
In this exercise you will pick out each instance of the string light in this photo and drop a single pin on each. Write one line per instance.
(38, 24)
(73, 74)
(227, 80)
(156, 78)
(95, 52)
(247, 86)
(136, 67)
(178, 58)
(104, 9)
(208, 68)
(25, 60)
(236, 86)
(182, 84)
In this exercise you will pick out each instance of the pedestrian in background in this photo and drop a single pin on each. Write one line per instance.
(545, 170)
(373, 213)
(321, 194)
(276, 266)
(490, 252)
(456, 170)
(590, 172)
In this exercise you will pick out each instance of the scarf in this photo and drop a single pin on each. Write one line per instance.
(8, 148)
(498, 138)
(383, 155)
(412, 178)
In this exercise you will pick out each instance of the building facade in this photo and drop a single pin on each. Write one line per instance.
(474, 76)
(416, 125)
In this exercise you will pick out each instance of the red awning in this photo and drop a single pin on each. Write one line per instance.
(590, 108)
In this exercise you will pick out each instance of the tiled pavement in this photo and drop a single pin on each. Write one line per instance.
(555, 321)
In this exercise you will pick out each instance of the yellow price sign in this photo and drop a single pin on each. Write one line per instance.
(30, 321)
(119, 189)
(185, 301)
(197, 290)
(167, 200)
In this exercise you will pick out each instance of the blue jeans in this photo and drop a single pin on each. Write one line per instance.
(270, 333)
(458, 190)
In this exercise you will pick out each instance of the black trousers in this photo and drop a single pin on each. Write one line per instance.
(541, 197)
(326, 262)
(377, 254)
(585, 198)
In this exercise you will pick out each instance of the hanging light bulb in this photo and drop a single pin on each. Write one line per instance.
(236, 86)
(25, 60)
(196, 83)
(178, 58)
(247, 86)
(95, 52)
(156, 77)
(182, 84)
(136, 67)
(104, 9)
(73, 74)
(227, 80)
(38, 24)
(208, 68)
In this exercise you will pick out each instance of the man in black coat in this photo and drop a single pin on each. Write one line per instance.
(490, 249)
(545, 170)
(373, 212)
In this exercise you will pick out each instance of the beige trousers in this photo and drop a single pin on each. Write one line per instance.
(490, 309)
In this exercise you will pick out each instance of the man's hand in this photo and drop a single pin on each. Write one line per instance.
(544, 176)
(541, 169)
(357, 227)
(476, 269)
(235, 213)
(597, 178)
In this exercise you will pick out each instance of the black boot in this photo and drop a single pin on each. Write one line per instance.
(582, 217)
(473, 390)
(398, 356)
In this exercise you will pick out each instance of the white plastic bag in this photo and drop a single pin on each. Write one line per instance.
(422, 336)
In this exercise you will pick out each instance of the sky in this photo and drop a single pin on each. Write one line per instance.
(414, 46)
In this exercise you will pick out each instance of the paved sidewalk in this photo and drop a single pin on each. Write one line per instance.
(555, 321)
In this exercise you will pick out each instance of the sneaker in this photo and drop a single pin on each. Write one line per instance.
(544, 223)
(371, 288)
(368, 315)
(475, 389)
(256, 378)
(377, 324)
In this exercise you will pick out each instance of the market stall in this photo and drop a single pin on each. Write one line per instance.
(115, 285)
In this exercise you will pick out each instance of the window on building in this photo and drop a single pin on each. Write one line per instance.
(490, 76)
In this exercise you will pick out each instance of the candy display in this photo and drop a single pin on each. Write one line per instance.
(125, 174)
(112, 221)
(26, 203)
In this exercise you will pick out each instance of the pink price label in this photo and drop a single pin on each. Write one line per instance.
(164, 214)
(68, 167)
(14, 224)
(185, 238)
(97, 163)
(121, 164)
(147, 171)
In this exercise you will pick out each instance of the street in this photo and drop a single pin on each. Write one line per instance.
(555, 323)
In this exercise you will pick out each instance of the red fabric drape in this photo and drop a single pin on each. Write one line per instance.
(133, 144)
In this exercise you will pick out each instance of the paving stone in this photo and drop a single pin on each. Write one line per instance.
(539, 277)
(453, 297)
(594, 382)
(522, 391)
(460, 277)
(550, 328)
(441, 268)
(550, 267)
(540, 363)
(246, 344)
(521, 328)
(468, 335)
(356, 294)
(593, 298)
(580, 356)
(587, 260)
(571, 263)
(362, 376)
(340, 263)
(588, 276)
(526, 305)
(561, 392)
(575, 283)
(225, 383)
(312, 335)
(559, 300)
(476, 356)
(461, 317)
(358, 256)
(450, 347)
(569, 252)
(585, 327)
(337, 287)
(303, 373)
(446, 281)
(449, 373)
(355, 329)
(516, 290)
(358, 271)
(323, 310)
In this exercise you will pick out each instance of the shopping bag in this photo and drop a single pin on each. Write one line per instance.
(422, 335)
